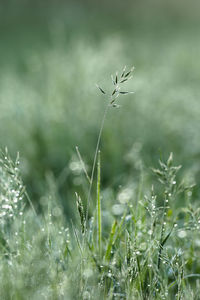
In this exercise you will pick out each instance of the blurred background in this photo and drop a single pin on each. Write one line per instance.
(52, 53)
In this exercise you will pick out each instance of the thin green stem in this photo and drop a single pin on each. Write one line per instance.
(99, 202)
(94, 162)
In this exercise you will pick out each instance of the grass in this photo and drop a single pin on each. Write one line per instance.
(141, 258)
(47, 85)
(114, 217)
(149, 250)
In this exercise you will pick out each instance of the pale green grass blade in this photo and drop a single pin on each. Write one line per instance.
(99, 229)
(119, 229)
(110, 242)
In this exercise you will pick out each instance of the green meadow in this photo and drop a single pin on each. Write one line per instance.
(99, 174)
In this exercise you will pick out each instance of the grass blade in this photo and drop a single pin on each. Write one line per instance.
(99, 230)
(111, 239)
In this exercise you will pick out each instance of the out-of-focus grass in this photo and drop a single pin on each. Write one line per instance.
(52, 56)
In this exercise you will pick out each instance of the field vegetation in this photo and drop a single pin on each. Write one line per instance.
(99, 174)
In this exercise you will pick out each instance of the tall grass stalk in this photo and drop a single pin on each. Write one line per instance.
(99, 226)
(117, 82)
(94, 162)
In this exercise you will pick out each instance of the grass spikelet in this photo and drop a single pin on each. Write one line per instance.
(81, 212)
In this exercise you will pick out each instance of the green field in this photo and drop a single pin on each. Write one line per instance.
(129, 228)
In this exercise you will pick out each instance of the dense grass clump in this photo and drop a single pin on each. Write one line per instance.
(150, 251)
